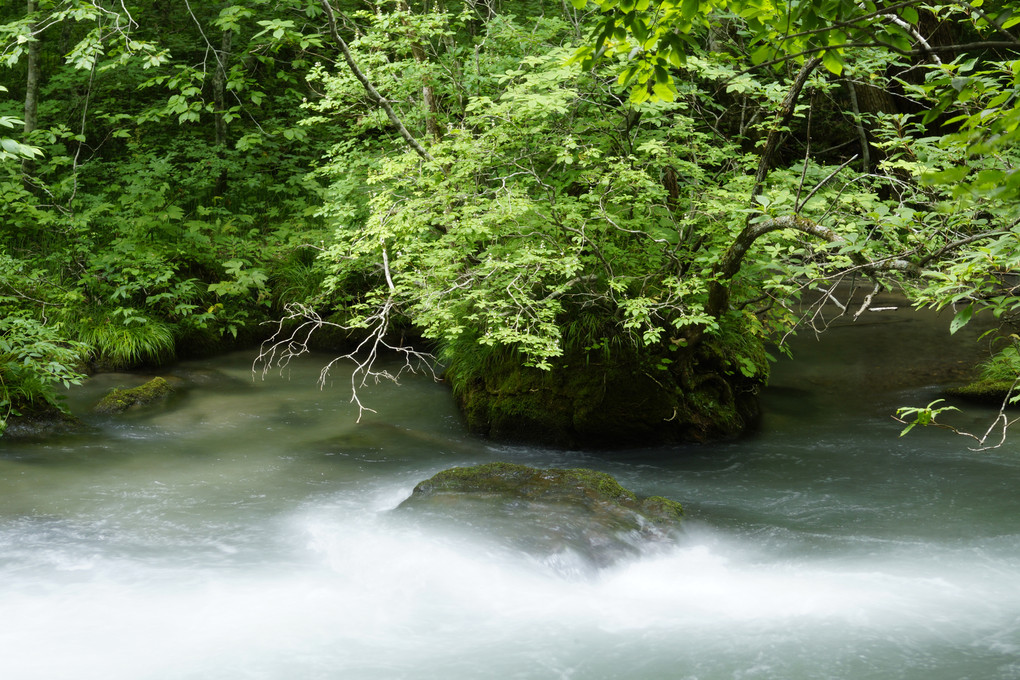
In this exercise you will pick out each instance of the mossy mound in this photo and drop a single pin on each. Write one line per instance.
(557, 514)
(707, 394)
(41, 422)
(118, 401)
(984, 391)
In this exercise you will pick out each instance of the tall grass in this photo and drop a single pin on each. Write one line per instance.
(117, 340)
(1002, 367)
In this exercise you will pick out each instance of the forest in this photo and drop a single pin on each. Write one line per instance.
(598, 220)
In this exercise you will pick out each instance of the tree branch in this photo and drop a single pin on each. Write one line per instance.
(959, 244)
(369, 88)
(785, 113)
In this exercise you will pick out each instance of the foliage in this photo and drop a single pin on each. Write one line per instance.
(160, 186)
(522, 221)
(1004, 366)
(34, 361)
(684, 175)
(922, 416)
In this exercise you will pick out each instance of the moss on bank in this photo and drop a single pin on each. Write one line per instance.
(984, 391)
(706, 394)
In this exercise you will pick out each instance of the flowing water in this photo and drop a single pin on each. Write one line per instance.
(245, 530)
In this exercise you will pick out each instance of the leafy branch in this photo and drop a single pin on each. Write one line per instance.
(928, 415)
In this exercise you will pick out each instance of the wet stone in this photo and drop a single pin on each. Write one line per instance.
(579, 518)
(155, 391)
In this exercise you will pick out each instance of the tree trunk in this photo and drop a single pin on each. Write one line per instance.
(32, 87)
(862, 133)
(220, 87)
(428, 93)
(220, 102)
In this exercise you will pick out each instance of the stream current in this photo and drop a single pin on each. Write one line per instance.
(245, 530)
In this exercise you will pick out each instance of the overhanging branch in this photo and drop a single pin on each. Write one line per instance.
(369, 87)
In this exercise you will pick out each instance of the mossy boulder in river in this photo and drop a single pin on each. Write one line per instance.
(626, 398)
(574, 518)
(119, 400)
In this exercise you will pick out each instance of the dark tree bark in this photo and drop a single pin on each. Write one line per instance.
(220, 87)
(31, 117)
(220, 102)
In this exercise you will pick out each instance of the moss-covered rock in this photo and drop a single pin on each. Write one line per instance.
(705, 394)
(549, 512)
(119, 400)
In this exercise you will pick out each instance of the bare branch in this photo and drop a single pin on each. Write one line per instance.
(868, 299)
(290, 342)
(819, 185)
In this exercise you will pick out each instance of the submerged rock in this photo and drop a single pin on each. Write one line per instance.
(118, 401)
(577, 517)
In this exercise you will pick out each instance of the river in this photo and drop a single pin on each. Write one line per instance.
(245, 530)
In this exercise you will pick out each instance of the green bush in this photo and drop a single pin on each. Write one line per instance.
(34, 361)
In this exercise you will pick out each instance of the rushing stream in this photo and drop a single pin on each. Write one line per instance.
(245, 530)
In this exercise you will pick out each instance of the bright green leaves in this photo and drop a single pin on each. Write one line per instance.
(833, 62)
(34, 360)
(923, 416)
(539, 219)
(231, 18)
(11, 149)
(242, 280)
(985, 98)
(667, 32)
(108, 39)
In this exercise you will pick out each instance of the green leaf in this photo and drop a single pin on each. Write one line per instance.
(833, 62)
(960, 320)
(949, 176)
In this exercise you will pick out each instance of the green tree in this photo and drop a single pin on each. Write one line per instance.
(951, 164)
(513, 241)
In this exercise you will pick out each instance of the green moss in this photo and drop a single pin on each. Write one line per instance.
(984, 391)
(662, 508)
(598, 491)
(592, 399)
(120, 400)
(560, 513)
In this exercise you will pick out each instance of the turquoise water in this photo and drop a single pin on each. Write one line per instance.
(246, 531)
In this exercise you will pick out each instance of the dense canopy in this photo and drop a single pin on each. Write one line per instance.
(540, 194)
